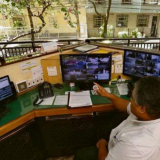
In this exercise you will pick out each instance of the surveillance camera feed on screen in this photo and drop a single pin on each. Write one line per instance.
(139, 64)
(86, 67)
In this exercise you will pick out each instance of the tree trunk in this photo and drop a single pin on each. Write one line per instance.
(31, 23)
(32, 27)
(77, 18)
(104, 34)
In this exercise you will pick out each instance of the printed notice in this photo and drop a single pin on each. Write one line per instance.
(118, 68)
(37, 71)
(28, 65)
(48, 47)
(112, 69)
(118, 59)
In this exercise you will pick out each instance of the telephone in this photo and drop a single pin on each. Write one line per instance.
(45, 90)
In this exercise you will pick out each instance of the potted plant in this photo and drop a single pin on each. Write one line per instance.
(123, 34)
(136, 34)
(110, 30)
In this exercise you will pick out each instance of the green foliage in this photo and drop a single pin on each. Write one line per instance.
(69, 10)
(135, 33)
(123, 34)
(2, 37)
(18, 24)
(38, 9)
(11, 8)
(54, 22)
(110, 30)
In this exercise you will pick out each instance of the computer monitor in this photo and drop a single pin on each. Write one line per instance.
(5, 93)
(138, 64)
(86, 68)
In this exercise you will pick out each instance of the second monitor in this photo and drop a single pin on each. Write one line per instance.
(85, 68)
(140, 63)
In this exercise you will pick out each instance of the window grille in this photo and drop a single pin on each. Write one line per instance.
(98, 21)
(19, 19)
(142, 20)
(122, 20)
(126, 1)
(99, 1)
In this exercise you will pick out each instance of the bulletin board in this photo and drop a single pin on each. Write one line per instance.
(54, 61)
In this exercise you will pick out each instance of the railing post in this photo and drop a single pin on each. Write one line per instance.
(113, 32)
(87, 41)
(128, 42)
(33, 47)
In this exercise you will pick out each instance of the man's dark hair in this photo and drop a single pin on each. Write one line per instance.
(147, 93)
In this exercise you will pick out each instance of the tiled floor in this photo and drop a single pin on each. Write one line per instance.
(61, 158)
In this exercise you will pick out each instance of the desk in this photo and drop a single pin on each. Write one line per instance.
(34, 133)
(22, 110)
(39, 126)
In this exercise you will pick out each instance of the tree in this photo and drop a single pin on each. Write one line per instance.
(34, 8)
(104, 17)
(12, 8)
(73, 8)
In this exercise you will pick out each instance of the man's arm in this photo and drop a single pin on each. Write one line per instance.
(119, 103)
(102, 150)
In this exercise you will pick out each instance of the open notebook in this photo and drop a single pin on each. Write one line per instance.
(79, 99)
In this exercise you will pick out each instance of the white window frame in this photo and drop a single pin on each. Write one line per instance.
(152, 2)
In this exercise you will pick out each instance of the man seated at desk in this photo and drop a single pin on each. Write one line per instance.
(137, 137)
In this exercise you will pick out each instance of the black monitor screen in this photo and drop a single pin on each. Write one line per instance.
(139, 64)
(85, 67)
(5, 88)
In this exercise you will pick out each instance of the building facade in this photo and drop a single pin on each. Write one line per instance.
(125, 15)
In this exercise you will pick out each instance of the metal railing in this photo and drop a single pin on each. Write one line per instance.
(143, 43)
(48, 33)
(17, 51)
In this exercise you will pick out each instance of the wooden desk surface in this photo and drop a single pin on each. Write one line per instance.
(51, 112)
(63, 111)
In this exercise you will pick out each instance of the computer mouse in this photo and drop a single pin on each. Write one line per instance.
(58, 85)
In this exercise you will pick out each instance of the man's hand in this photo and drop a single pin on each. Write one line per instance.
(101, 91)
(102, 150)
(101, 143)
